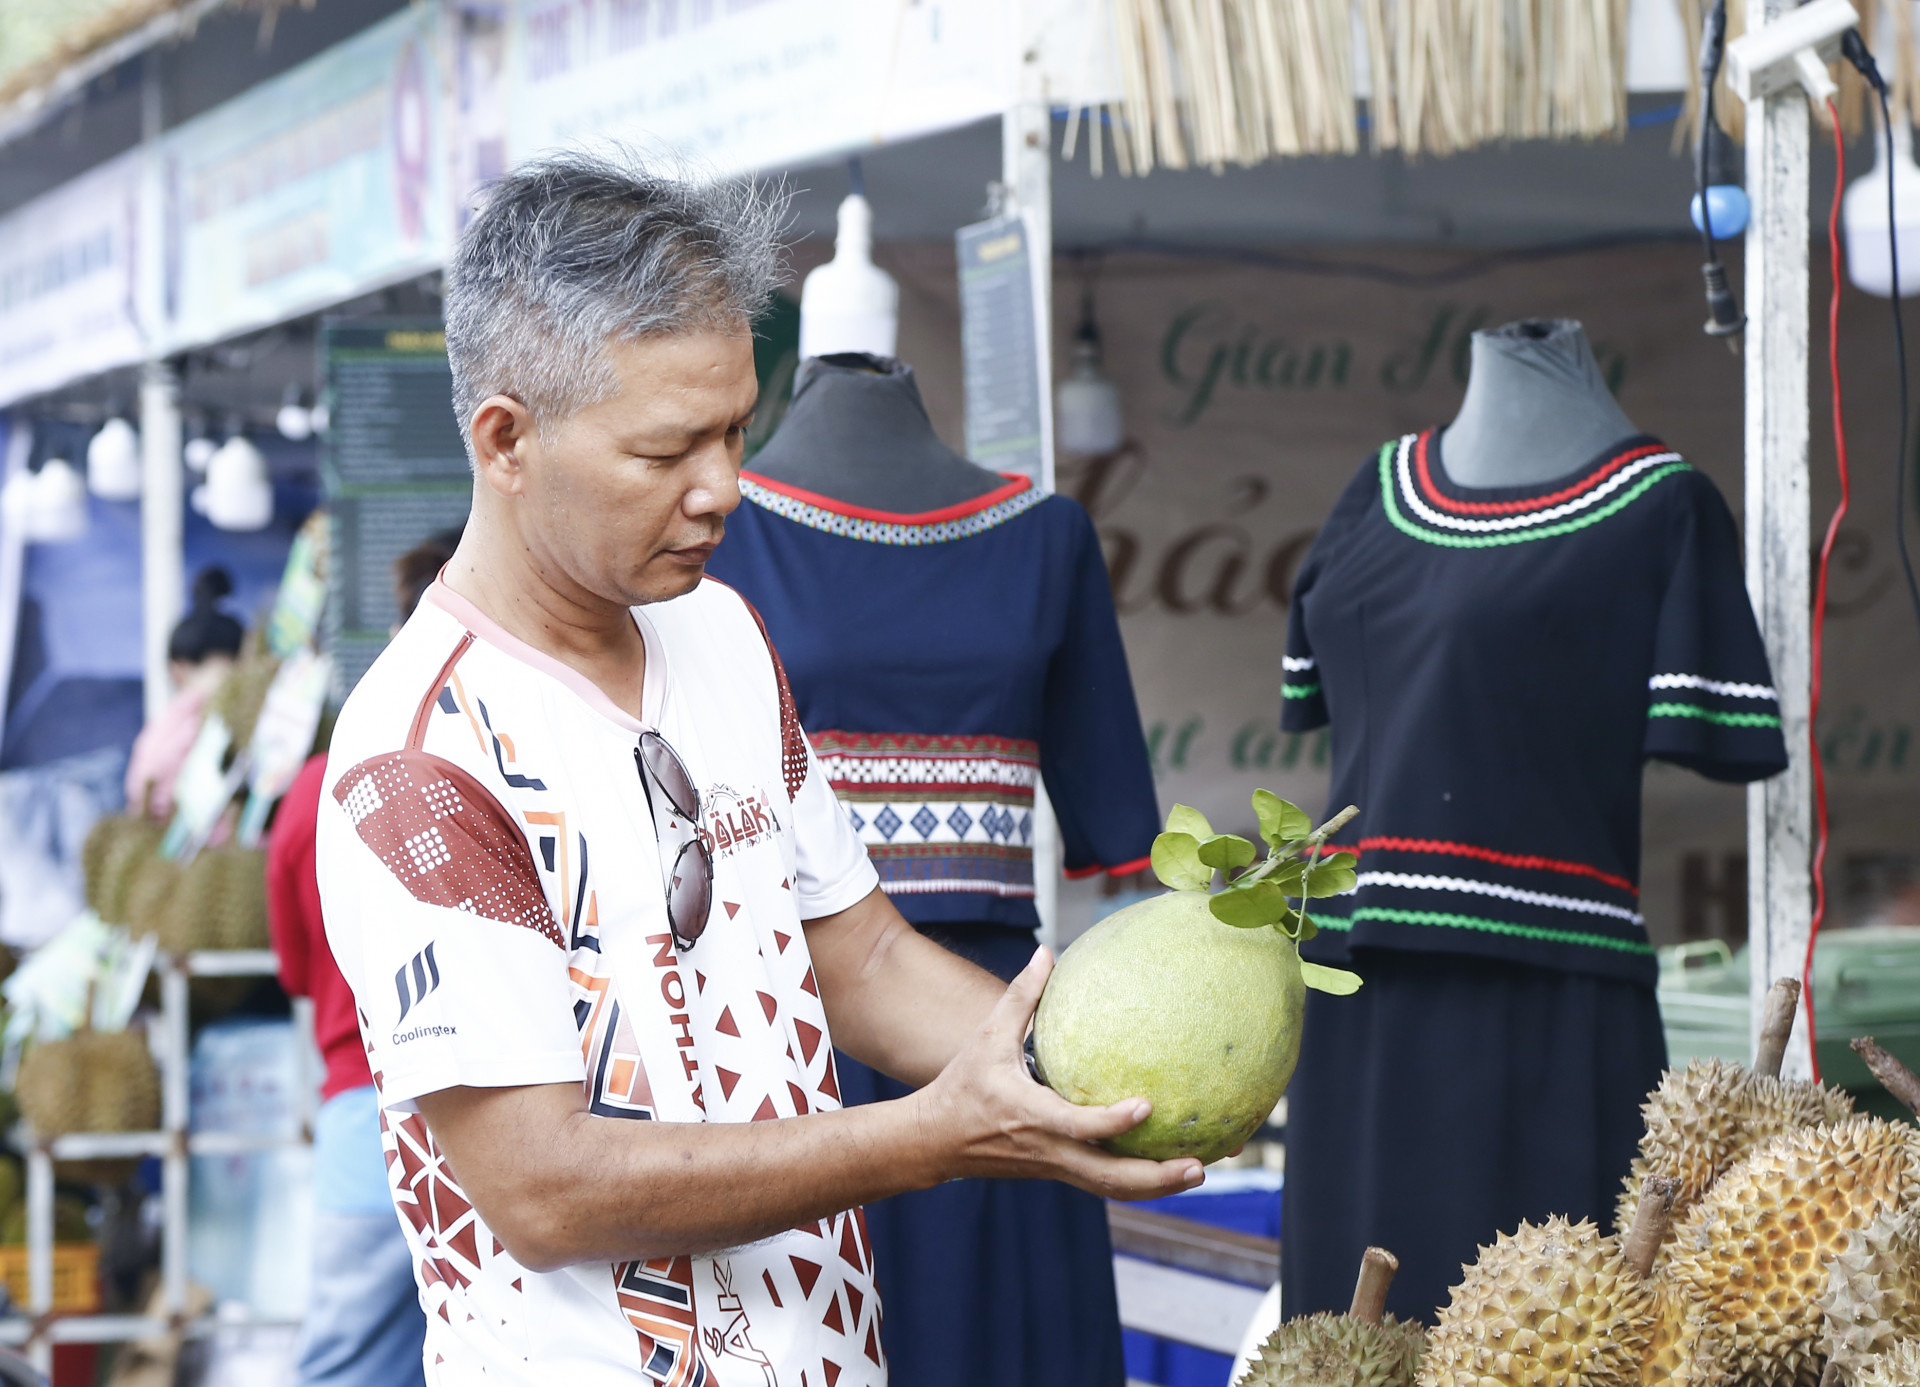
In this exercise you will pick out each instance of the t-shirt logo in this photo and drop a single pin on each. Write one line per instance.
(415, 980)
(736, 821)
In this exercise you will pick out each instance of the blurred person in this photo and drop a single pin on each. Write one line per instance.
(364, 1326)
(202, 649)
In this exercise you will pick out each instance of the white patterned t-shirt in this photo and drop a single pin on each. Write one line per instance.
(494, 890)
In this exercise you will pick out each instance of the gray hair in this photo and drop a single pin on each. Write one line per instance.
(574, 250)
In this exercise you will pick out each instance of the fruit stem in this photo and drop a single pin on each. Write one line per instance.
(1650, 1223)
(1377, 1266)
(1894, 1076)
(1776, 1024)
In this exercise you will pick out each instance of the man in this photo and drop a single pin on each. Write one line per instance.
(602, 915)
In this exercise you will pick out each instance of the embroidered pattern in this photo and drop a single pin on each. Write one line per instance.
(938, 813)
(1476, 922)
(1712, 686)
(1490, 888)
(1522, 861)
(1605, 492)
(1025, 496)
(1690, 710)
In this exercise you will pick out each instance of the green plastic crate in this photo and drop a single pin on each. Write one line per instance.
(1866, 981)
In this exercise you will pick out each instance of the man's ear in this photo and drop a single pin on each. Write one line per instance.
(502, 434)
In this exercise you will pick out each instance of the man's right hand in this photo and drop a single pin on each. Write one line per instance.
(985, 1116)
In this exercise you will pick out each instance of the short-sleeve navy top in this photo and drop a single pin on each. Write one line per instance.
(1496, 665)
(939, 660)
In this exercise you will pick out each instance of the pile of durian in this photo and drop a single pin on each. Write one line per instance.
(1771, 1238)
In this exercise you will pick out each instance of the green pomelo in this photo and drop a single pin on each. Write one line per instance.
(1162, 1001)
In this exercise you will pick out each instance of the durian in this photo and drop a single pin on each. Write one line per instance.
(1363, 1348)
(92, 1081)
(238, 698)
(1750, 1261)
(1872, 1299)
(120, 844)
(1899, 1366)
(1550, 1305)
(1702, 1119)
(220, 902)
(150, 888)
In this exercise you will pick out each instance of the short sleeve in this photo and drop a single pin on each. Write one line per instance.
(1303, 704)
(832, 870)
(1093, 752)
(438, 919)
(1711, 705)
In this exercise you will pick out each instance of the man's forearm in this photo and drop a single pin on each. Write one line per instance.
(896, 1001)
(593, 1188)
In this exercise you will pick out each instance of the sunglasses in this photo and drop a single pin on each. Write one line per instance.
(690, 885)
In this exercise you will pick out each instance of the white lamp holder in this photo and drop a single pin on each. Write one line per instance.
(1792, 47)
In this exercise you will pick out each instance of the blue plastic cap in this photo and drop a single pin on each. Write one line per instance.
(1730, 208)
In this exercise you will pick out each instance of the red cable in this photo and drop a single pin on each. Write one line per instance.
(1820, 587)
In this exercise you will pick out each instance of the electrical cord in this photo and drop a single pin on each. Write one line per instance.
(1821, 827)
(1854, 49)
(1724, 318)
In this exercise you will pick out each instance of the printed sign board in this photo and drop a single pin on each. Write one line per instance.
(68, 286)
(310, 188)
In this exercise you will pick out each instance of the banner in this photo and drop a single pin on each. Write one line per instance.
(315, 186)
(68, 305)
(737, 84)
(1255, 387)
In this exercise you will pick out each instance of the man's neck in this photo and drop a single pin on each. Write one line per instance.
(583, 632)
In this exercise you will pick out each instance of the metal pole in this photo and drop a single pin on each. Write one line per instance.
(162, 579)
(1780, 810)
(1026, 173)
(174, 1100)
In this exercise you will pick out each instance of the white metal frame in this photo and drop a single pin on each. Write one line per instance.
(174, 1143)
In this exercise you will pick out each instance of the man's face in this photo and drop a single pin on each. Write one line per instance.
(627, 498)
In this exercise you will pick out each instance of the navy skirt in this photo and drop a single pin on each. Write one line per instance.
(1449, 1099)
(1008, 1282)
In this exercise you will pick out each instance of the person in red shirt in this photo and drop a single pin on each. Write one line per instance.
(364, 1326)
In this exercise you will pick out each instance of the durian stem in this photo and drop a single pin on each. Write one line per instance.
(1776, 1025)
(1894, 1076)
(1650, 1221)
(1377, 1267)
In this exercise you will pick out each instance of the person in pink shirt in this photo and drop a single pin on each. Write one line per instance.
(201, 650)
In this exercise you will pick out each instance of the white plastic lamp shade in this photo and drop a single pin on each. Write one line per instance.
(1863, 216)
(56, 509)
(238, 494)
(199, 452)
(849, 304)
(295, 422)
(1086, 406)
(113, 462)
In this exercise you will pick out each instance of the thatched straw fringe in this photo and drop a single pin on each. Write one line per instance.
(1218, 82)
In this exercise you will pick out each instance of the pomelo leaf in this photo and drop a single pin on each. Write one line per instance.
(1338, 981)
(1226, 851)
(1281, 822)
(1250, 907)
(1184, 818)
(1307, 929)
(1332, 877)
(1287, 876)
(1176, 861)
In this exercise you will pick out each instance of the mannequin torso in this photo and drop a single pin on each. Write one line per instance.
(857, 432)
(1537, 407)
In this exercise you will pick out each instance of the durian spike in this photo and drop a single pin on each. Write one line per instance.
(1377, 1266)
(1894, 1076)
(1830, 1375)
(1650, 1220)
(1776, 1024)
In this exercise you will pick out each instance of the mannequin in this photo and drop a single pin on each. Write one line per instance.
(858, 433)
(1537, 407)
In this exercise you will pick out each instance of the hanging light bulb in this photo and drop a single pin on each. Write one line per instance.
(199, 452)
(1863, 216)
(56, 509)
(1725, 199)
(1086, 405)
(294, 420)
(850, 304)
(238, 494)
(113, 462)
